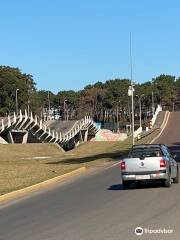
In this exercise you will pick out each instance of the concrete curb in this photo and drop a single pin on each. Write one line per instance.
(22, 192)
(162, 127)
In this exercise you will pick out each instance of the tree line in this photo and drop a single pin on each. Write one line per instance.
(106, 101)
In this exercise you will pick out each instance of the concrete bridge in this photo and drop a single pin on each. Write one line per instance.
(24, 129)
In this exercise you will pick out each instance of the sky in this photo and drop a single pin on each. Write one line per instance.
(68, 44)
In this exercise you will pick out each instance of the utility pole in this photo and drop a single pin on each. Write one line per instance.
(132, 93)
(140, 109)
(132, 108)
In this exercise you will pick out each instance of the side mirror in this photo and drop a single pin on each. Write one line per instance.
(174, 156)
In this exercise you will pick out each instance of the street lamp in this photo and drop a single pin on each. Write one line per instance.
(140, 109)
(17, 100)
(131, 94)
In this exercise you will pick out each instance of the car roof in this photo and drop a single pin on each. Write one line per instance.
(148, 146)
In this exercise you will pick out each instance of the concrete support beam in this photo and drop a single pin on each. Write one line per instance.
(28, 123)
(2, 125)
(9, 121)
(23, 123)
(80, 136)
(86, 135)
(2, 141)
(25, 138)
(43, 134)
(10, 137)
(15, 119)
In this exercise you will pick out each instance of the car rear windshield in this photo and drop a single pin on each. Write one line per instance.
(145, 152)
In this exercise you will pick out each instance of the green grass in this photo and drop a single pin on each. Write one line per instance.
(25, 165)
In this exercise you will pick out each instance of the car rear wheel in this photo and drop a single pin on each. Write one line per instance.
(176, 179)
(167, 182)
(126, 184)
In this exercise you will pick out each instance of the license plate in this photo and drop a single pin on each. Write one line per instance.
(141, 177)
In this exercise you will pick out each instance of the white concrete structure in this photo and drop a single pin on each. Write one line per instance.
(17, 128)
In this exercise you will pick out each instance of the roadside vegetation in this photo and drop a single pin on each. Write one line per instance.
(25, 165)
(104, 101)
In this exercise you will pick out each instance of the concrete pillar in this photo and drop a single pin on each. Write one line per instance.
(36, 121)
(2, 123)
(25, 138)
(80, 136)
(60, 136)
(86, 135)
(25, 114)
(10, 137)
(40, 124)
(9, 121)
(20, 115)
(32, 117)
(14, 118)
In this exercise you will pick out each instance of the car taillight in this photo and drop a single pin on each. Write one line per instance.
(162, 163)
(123, 165)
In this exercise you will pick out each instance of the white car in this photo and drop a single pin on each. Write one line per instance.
(149, 162)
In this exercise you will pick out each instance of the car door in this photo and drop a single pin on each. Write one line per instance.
(172, 163)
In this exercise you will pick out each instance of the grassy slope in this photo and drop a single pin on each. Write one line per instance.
(20, 167)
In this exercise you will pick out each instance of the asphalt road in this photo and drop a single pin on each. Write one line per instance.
(94, 207)
(171, 134)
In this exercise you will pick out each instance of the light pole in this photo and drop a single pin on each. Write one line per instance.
(132, 102)
(131, 91)
(140, 109)
(17, 100)
(131, 94)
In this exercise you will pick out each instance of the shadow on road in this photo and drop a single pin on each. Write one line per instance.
(134, 186)
(115, 187)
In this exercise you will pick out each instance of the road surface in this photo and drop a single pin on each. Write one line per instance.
(94, 207)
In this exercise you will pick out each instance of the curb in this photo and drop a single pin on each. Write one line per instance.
(162, 127)
(24, 191)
